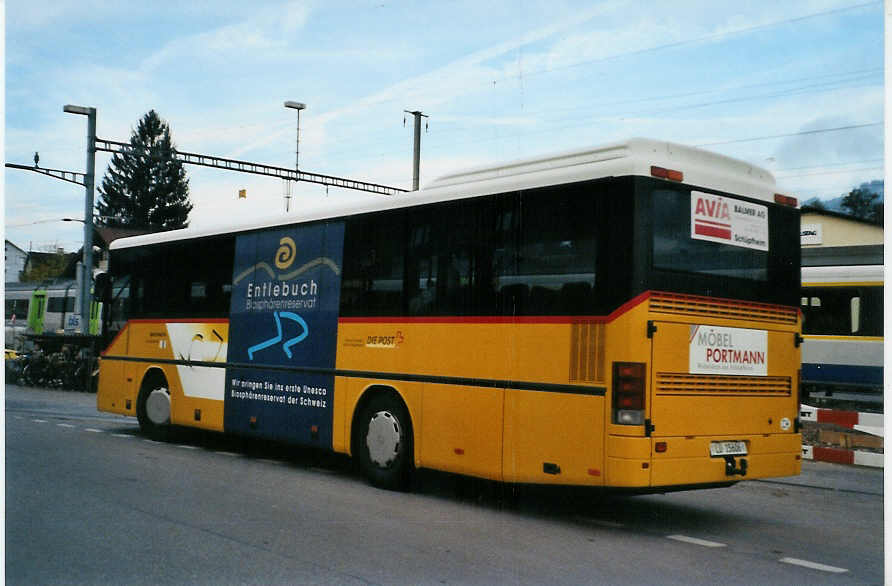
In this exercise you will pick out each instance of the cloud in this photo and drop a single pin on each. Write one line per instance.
(270, 28)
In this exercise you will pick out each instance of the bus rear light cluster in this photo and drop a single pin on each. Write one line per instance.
(629, 385)
(663, 173)
(785, 200)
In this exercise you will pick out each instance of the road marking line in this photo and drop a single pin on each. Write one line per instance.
(813, 565)
(39, 420)
(121, 435)
(93, 430)
(233, 454)
(695, 541)
(68, 425)
(187, 447)
(18, 416)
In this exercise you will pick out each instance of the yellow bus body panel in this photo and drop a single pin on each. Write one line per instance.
(759, 410)
(544, 429)
(481, 430)
(150, 340)
(114, 389)
(471, 391)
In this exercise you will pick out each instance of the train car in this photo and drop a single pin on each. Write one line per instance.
(39, 308)
(842, 351)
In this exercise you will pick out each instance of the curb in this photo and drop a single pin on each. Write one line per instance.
(841, 456)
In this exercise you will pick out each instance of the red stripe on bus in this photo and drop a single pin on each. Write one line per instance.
(210, 320)
(115, 339)
(501, 319)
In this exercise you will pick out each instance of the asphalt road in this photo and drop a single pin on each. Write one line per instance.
(91, 501)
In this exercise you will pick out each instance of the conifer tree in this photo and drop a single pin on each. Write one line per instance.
(145, 187)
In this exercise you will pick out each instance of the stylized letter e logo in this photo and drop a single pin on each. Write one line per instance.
(286, 252)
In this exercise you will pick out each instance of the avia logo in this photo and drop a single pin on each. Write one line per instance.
(716, 209)
(711, 218)
(286, 253)
(287, 344)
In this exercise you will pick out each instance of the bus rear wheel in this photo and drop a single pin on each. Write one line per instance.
(153, 408)
(385, 443)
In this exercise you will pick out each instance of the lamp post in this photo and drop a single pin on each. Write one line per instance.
(87, 280)
(296, 106)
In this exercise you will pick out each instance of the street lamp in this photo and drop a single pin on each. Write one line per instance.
(87, 280)
(295, 106)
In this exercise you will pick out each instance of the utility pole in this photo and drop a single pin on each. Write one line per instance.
(87, 280)
(416, 157)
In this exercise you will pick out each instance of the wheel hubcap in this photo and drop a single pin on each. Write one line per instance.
(383, 438)
(158, 407)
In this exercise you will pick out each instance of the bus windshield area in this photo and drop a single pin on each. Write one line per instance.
(721, 245)
(676, 249)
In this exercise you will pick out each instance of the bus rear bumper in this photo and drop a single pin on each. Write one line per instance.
(677, 461)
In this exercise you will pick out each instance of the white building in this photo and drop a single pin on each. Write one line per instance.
(832, 238)
(14, 262)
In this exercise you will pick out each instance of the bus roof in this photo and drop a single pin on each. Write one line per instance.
(635, 156)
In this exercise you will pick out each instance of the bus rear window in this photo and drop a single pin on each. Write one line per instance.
(676, 249)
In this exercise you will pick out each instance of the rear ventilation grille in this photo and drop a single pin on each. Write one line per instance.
(720, 308)
(586, 352)
(669, 383)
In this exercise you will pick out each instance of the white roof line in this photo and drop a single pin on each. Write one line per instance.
(632, 157)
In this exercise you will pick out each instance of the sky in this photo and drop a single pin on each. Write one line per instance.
(794, 86)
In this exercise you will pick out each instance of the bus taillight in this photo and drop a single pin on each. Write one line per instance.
(785, 200)
(629, 386)
(663, 173)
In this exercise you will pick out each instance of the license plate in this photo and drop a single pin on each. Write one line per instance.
(728, 448)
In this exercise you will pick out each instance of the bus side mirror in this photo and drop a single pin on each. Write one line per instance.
(102, 284)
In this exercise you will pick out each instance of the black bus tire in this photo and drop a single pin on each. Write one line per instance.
(154, 388)
(385, 443)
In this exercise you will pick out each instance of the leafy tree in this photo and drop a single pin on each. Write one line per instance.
(145, 187)
(876, 214)
(860, 203)
(45, 265)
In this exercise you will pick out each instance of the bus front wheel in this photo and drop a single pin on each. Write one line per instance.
(153, 408)
(385, 443)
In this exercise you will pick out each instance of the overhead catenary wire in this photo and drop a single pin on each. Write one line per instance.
(789, 134)
(451, 129)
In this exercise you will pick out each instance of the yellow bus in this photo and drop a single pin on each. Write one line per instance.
(622, 316)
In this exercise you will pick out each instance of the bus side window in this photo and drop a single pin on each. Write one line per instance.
(372, 279)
